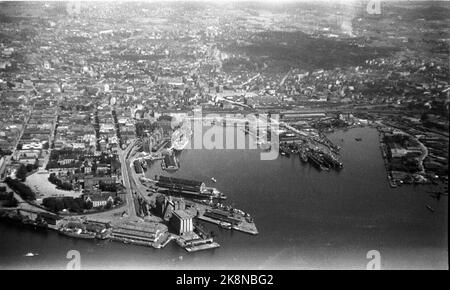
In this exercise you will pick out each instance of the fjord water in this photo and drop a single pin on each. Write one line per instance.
(306, 219)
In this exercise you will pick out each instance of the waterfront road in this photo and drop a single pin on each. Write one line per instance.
(123, 154)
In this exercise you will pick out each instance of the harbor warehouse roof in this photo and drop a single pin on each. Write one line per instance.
(179, 181)
(182, 215)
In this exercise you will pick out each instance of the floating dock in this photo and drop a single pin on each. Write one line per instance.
(209, 246)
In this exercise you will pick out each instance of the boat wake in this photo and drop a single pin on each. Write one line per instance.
(31, 254)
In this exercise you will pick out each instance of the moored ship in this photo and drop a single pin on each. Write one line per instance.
(303, 156)
(79, 234)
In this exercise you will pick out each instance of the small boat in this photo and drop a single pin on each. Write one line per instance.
(430, 208)
(225, 225)
(213, 179)
(31, 254)
(78, 235)
(358, 139)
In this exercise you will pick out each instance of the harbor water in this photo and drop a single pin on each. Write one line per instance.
(306, 219)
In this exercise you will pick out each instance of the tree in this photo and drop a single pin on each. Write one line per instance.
(68, 202)
(66, 186)
(112, 187)
(117, 200)
(109, 204)
(23, 190)
(59, 205)
(22, 172)
(54, 204)
(50, 203)
(29, 167)
(88, 204)
(8, 200)
(11, 203)
(36, 164)
(79, 204)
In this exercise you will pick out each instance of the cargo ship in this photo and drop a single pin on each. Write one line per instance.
(331, 161)
(316, 161)
(327, 161)
(225, 225)
(303, 156)
(79, 234)
(170, 163)
(284, 150)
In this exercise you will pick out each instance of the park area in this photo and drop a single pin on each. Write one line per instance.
(43, 188)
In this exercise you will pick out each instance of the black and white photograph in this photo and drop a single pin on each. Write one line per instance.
(244, 135)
